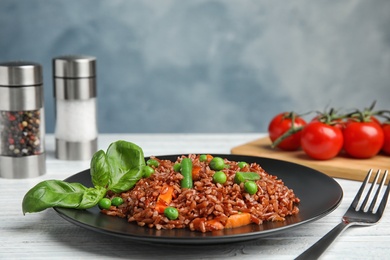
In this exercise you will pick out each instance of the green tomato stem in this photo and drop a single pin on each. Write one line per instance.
(289, 132)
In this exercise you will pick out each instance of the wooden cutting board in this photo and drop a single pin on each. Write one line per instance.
(338, 167)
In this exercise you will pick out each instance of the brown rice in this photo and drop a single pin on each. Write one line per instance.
(206, 200)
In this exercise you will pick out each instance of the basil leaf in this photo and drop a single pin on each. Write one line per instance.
(56, 193)
(127, 180)
(126, 161)
(118, 170)
(91, 197)
(100, 169)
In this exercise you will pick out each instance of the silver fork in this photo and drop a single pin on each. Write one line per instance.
(357, 214)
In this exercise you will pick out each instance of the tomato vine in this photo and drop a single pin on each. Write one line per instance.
(358, 134)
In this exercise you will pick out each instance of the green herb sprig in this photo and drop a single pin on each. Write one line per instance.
(118, 169)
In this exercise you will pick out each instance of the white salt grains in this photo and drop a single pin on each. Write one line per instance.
(76, 121)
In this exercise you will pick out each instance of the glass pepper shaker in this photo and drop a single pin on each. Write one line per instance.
(75, 95)
(22, 126)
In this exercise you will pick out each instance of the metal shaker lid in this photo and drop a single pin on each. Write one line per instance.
(20, 73)
(74, 66)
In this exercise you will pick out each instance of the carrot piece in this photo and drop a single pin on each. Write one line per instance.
(209, 157)
(164, 199)
(195, 172)
(238, 220)
(214, 224)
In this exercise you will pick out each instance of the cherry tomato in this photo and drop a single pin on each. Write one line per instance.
(386, 143)
(363, 139)
(376, 120)
(282, 123)
(321, 141)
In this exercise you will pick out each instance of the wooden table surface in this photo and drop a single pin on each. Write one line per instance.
(46, 235)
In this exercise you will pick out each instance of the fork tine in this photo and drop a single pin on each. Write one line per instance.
(382, 206)
(368, 196)
(378, 191)
(360, 192)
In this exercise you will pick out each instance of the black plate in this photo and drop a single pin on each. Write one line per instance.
(319, 196)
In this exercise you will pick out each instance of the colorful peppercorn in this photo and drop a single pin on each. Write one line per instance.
(21, 134)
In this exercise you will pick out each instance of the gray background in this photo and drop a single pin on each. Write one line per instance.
(208, 66)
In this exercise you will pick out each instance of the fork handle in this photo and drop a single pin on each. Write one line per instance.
(316, 250)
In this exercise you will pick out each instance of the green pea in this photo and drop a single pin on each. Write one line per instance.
(147, 171)
(250, 187)
(116, 201)
(152, 162)
(177, 167)
(219, 177)
(242, 164)
(104, 203)
(217, 164)
(171, 213)
(203, 158)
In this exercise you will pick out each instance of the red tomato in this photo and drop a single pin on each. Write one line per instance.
(376, 120)
(321, 141)
(282, 123)
(386, 143)
(363, 139)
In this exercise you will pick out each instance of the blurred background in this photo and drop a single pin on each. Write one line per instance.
(208, 66)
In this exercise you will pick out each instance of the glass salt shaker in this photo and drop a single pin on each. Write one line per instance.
(75, 95)
(22, 126)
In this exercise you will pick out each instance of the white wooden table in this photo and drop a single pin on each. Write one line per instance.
(47, 235)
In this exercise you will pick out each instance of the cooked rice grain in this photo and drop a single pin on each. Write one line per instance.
(206, 200)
